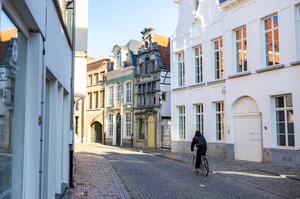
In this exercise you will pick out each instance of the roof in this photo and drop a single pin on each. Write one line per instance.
(164, 49)
(134, 46)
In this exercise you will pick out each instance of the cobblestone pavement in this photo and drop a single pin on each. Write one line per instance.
(96, 176)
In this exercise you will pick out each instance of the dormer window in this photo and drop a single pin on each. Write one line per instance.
(118, 60)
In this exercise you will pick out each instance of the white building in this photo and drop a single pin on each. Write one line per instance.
(36, 98)
(235, 67)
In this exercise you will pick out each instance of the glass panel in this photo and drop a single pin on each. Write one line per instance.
(279, 102)
(281, 140)
(280, 116)
(275, 21)
(289, 101)
(244, 32)
(238, 35)
(216, 45)
(290, 116)
(291, 128)
(196, 51)
(12, 75)
(291, 140)
(268, 23)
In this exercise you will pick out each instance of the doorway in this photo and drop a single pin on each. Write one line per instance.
(97, 132)
(248, 136)
(151, 131)
(118, 132)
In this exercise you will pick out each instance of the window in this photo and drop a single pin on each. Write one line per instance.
(119, 92)
(284, 120)
(128, 124)
(181, 111)
(163, 96)
(101, 99)
(181, 71)
(128, 88)
(102, 76)
(196, 5)
(96, 77)
(199, 118)
(90, 98)
(110, 125)
(241, 49)
(90, 80)
(96, 97)
(110, 96)
(118, 60)
(220, 120)
(218, 59)
(12, 113)
(198, 64)
(272, 41)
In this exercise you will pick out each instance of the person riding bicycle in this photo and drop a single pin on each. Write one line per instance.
(200, 142)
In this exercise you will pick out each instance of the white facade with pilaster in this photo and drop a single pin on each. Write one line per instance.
(247, 96)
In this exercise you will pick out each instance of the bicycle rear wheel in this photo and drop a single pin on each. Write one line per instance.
(205, 166)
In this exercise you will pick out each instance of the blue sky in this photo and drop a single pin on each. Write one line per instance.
(115, 22)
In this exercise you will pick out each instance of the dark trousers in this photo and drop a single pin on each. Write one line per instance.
(201, 150)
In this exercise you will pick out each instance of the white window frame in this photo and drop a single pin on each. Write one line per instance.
(181, 68)
(181, 122)
(128, 124)
(119, 59)
(198, 63)
(218, 61)
(110, 96)
(288, 113)
(199, 119)
(219, 124)
(241, 49)
(271, 52)
(110, 125)
(128, 92)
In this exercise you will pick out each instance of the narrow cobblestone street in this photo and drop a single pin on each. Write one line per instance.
(112, 172)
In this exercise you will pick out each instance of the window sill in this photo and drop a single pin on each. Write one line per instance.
(197, 85)
(295, 63)
(240, 74)
(216, 81)
(179, 88)
(270, 68)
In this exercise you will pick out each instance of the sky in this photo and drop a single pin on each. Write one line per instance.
(115, 22)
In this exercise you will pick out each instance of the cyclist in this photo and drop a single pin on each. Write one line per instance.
(200, 142)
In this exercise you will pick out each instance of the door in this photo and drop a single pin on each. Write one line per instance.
(248, 137)
(97, 132)
(151, 132)
(118, 132)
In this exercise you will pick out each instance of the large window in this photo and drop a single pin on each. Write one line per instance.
(181, 69)
(90, 80)
(284, 120)
(110, 125)
(181, 117)
(96, 77)
(199, 118)
(90, 98)
(110, 96)
(13, 46)
(241, 49)
(218, 59)
(128, 124)
(118, 60)
(128, 88)
(272, 41)
(198, 64)
(96, 97)
(220, 120)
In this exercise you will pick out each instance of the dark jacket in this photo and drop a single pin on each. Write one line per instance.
(198, 140)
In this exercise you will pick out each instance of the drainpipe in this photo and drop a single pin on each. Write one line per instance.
(71, 146)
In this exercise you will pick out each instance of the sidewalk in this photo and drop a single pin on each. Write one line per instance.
(222, 166)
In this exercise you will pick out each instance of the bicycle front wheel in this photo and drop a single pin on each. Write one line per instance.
(205, 167)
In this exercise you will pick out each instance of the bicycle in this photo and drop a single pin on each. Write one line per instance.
(204, 167)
